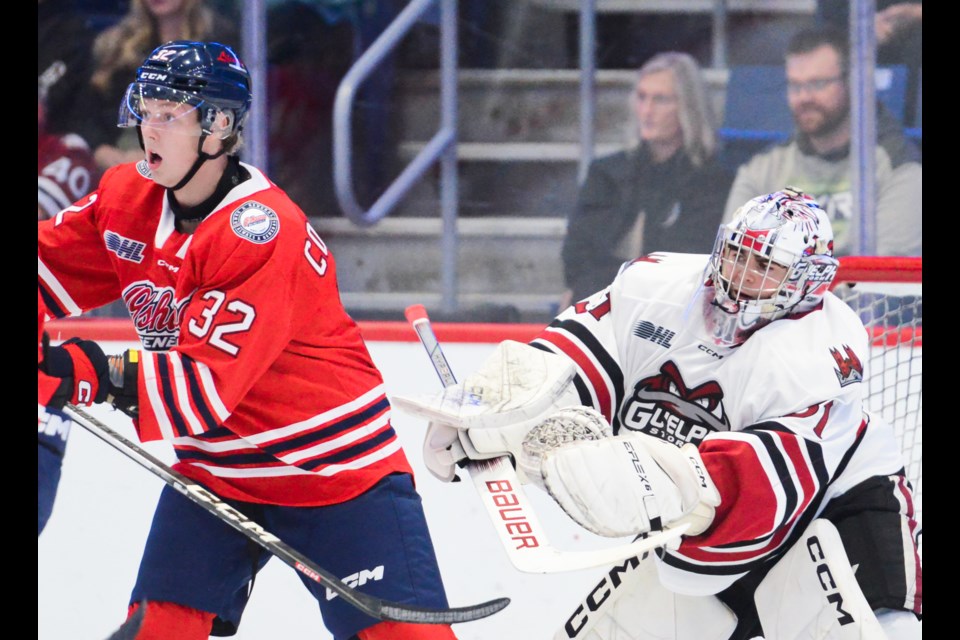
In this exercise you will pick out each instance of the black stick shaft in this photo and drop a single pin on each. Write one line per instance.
(370, 605)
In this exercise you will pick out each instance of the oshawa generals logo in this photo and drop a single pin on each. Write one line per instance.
(664, 406)
(156, 314)
(849, 368)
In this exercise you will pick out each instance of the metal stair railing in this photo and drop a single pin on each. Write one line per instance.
(442, 145)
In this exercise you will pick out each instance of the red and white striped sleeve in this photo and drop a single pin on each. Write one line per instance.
(772, 478)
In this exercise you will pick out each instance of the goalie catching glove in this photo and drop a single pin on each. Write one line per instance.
(631, 484)
(491, 412)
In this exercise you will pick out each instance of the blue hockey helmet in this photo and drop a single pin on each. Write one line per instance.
(208, 76)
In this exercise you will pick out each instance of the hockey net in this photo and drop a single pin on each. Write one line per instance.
(887, 294)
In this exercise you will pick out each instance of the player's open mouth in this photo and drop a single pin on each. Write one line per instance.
(153, 159)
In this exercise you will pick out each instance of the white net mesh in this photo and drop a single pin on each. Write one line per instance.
(887, 294)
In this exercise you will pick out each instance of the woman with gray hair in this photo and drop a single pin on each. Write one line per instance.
(664, 193)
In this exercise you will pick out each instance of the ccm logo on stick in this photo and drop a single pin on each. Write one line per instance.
(511, 513)
(598, 595)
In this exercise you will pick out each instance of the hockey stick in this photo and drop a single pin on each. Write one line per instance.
(369, 605)
(523, 537)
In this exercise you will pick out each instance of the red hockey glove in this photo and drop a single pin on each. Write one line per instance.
(82, 368)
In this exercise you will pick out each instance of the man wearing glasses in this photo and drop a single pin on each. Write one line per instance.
(817, 158)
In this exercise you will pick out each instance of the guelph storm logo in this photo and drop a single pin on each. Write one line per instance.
(665, 407)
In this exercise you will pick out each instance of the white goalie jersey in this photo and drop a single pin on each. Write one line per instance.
(779, 420)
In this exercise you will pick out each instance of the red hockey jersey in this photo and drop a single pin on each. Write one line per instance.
(65, 172)
(252, 368)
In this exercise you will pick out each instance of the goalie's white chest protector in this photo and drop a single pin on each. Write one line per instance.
(680, 385)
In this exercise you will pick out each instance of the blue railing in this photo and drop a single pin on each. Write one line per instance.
(442, 146)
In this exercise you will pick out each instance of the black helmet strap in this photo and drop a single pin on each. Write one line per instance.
(201, 158)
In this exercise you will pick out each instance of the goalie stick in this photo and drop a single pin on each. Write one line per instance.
(369, 605)
(520, 532)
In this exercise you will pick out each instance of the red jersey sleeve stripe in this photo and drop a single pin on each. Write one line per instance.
(170, 402)
(588, 370)
(195, 393)
(779, 505)
(57, 299)
(154, 423)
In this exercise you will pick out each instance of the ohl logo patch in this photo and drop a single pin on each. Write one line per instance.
(849, 368)
(125, 248)
(664, 406)
(255, 222)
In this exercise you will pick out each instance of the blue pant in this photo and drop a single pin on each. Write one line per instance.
(377, 542)
(48, 478)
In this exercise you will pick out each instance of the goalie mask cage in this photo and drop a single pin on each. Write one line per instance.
(887, 295)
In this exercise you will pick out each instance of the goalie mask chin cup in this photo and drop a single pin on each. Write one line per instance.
(775, 258)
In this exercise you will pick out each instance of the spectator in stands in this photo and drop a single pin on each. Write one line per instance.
(308, 51)
(817, 159)
(899, 31)
(664, 193)
(120, 49)
(64, 65)
(65, 168)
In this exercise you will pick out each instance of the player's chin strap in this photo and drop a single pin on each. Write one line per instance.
(201, 158)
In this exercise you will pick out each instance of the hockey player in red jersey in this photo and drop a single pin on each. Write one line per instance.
(65, 166)
(732, 386)
(250, 366)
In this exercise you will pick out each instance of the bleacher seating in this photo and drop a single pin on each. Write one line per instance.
(756, 113)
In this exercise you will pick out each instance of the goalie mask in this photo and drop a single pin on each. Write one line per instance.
(773, 259)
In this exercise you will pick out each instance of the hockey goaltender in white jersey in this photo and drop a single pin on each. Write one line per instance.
(730, 397)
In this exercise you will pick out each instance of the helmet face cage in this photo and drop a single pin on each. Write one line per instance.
(774, 258)
(181, 77)
(159, 107)
(747, 271)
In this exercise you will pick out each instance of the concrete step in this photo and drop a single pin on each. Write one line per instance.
(549, 152)
(526, 105)
(544, 188)
(506, 261)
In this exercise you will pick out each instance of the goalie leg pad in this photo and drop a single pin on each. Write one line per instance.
(813, 594)
(629, 603)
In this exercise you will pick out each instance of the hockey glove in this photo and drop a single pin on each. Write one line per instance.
(492, 410)
(124, 369)
(82, 368)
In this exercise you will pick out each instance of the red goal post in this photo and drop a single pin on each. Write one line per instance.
(887, 293)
